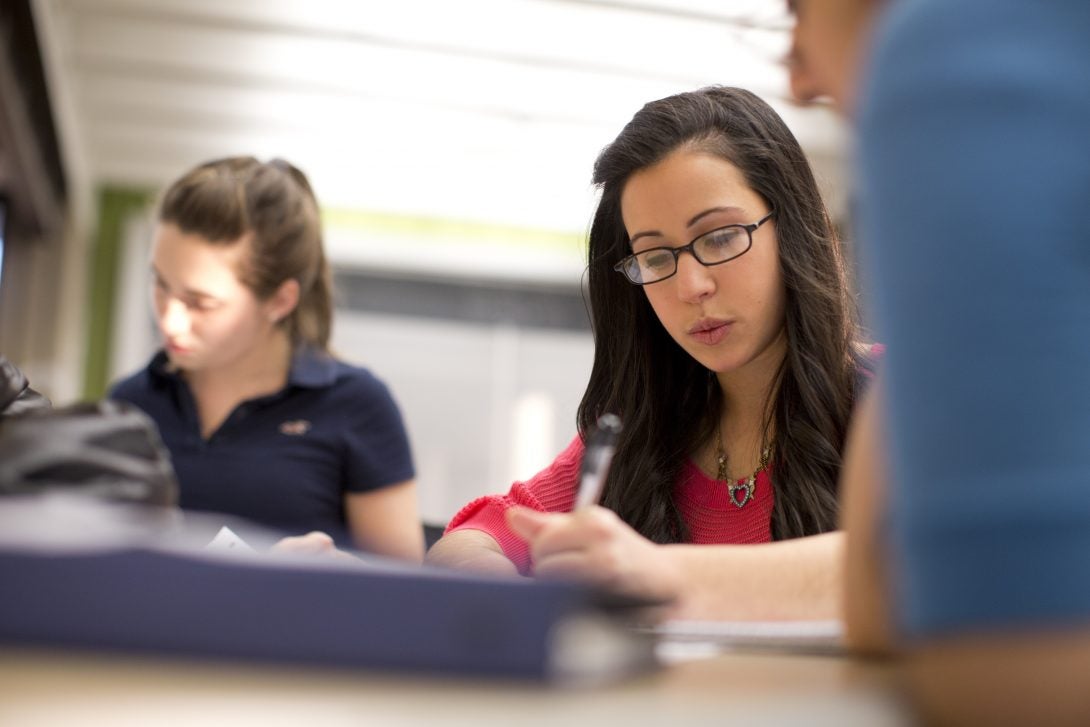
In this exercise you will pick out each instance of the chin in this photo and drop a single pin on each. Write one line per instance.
(185, 361)
(724, 364)
(718, 365)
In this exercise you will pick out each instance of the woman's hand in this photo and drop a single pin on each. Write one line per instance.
(314, 543)
(791, 579)
(593, 545)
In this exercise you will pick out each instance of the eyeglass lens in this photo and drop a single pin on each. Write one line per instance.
(717, 246)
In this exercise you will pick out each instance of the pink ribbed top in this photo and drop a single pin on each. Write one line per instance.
(704, 503)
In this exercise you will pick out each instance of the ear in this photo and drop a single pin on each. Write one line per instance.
(280, 305)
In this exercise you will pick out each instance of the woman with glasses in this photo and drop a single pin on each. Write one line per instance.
(725, 340)
(262, 422)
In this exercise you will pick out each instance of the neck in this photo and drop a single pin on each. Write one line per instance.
(261, 370)
(748, 391)
(748, 395)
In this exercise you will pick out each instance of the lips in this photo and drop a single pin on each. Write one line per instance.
(710, 331)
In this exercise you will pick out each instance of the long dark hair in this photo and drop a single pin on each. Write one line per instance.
(226, 199)
(669, 402)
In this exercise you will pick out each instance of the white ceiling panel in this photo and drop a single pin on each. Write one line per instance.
(490, 111)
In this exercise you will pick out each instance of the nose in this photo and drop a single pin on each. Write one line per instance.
(694, 281)
(173, 317)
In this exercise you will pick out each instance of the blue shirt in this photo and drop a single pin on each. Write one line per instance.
(975, 191)
(285, 460)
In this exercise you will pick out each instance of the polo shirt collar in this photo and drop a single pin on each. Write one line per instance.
(311, 368)
(160, 368)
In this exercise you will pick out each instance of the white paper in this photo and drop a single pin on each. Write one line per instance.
(227, 539)
(683, 640)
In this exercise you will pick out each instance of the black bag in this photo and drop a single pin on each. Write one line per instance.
(108, 449)
(16, 396)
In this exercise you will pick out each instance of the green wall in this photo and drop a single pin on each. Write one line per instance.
(115, 208)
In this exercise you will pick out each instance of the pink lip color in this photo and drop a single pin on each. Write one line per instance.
(176, 349)
(710, 332)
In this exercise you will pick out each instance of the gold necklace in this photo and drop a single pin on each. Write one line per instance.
(746, 487)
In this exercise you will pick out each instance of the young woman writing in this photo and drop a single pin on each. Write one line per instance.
(725, 339)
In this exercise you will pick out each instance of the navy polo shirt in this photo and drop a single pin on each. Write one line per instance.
(285, 460)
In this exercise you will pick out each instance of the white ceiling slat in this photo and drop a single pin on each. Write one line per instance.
(579, 35)
(265, 61)
(216, 108)
(489, 110)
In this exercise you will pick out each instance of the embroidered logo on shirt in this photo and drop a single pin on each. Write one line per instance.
(295, 427)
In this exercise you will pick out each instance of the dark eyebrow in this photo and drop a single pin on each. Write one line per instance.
(649, 233)
(707, 212)
(693, 221)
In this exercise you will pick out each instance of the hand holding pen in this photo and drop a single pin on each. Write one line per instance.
(593, 544)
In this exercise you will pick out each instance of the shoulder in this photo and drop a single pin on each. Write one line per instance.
(355, 396)
(320, 370)
(371, 428)
(358, 378)
(962, 53)
(358, 386)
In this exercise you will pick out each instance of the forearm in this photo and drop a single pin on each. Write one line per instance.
(404, 545)
(791, 579)
(387, 522)
(867, 608)
(471, 550)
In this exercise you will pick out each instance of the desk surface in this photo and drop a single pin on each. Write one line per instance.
(44, 688)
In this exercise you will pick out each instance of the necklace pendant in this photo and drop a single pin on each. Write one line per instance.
(742, 493)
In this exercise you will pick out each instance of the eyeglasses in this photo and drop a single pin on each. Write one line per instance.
(716, 247)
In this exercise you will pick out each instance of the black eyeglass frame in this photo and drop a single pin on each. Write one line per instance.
(621, 266)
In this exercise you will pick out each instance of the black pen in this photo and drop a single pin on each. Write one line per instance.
(600, 446)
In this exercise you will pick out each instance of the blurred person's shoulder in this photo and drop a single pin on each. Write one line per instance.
(343, 386)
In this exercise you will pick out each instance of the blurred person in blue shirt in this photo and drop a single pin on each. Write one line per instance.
(973, 179)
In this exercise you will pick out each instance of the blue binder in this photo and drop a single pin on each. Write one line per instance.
(148, 600)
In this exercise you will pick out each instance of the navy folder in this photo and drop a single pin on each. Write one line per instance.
(163, 602)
